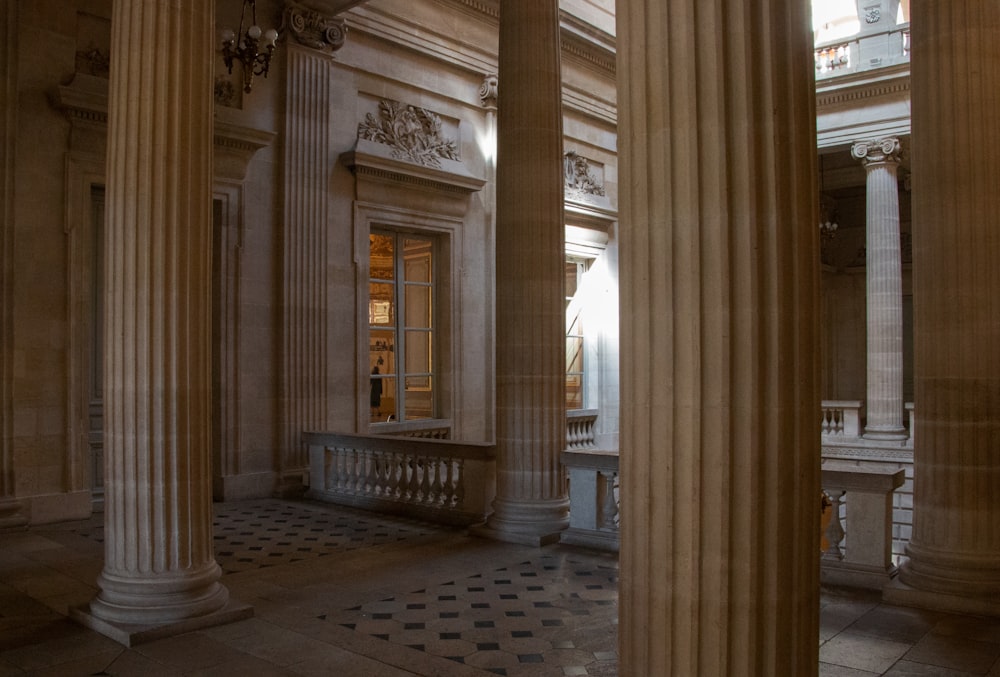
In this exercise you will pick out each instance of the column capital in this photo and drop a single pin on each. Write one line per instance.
(313, 29)
(488, 91)
(877, 151)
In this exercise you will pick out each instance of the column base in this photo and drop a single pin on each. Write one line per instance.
(888, 433)
(12, 514)
(131, 635)
(855, 575)
(897, 592)
(537, 522)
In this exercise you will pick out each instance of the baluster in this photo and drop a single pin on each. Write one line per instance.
(835, 531)
(392, 481)
(425, 482)
(459, 483)
(607, 506)
(371, 473)
(413, 487)
(357, 471)
(435, 490)
(328, 456)
(448, 491)
(337, 477)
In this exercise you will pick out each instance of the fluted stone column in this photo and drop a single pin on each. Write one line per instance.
(531, 504)
(955, 547)
(883, 265)
(719, 289)
(159, 570)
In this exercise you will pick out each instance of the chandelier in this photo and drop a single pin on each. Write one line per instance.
(252, 48)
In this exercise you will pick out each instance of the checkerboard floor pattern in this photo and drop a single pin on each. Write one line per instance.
(553, 615)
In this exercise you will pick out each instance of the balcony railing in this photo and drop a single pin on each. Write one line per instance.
(863, 53)
(437, 480)
(841, 418)
(858, 536)
(580, 424)
(594, 499)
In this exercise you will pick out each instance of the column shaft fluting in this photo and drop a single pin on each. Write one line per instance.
(955, 546)
(308, 161)
(159, 565)
(719, 289)
(884, 291)
(530, 251)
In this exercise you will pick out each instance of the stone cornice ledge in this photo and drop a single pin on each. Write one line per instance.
(85, 101)
(865, 85)
(374, 160)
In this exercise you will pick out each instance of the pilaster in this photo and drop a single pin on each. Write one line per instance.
(719, 331)
(308, 162)
(531, 504)
(884, 291)
(955, 547)
(160, 573)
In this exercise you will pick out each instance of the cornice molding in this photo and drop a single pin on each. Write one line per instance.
(858, 87)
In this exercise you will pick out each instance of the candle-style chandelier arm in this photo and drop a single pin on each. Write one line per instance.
(252, 47)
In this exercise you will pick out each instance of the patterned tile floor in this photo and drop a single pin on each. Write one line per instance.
(348, 593)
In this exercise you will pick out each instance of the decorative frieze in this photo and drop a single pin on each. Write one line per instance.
(413, 133)
(312, 29)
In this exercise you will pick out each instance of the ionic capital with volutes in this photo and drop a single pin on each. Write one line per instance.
(313, 29)
(877, 151)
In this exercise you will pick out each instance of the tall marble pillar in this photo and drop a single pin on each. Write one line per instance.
(531, 504)
(883, 264)
(955, 547)
(159, 569)
(719, 330)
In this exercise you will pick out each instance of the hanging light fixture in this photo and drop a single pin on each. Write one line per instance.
(252, 48)
(828, 208)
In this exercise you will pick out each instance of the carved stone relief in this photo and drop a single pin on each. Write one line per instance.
(413, 133)
(578, 177)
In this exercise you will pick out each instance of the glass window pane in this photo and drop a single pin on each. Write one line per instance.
(419, 397)
(572, 278)
(383, 398)
(418, 306)
(574, 391)
(381, 309)
(381, 262)
(417, 256)
(418, 352)
(382, 352)
(574, 354)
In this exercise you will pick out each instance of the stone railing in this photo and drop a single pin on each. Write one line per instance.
(863, 52)
(858, 534)
(832, 57)
(437, 480)
(427, 428)
(593, 498)
(580, 429)
(841, 418)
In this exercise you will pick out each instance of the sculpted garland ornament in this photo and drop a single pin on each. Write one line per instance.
(413, 133)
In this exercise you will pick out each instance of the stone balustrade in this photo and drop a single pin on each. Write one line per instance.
(580, 425)
(427, 428)
(841, 419)
(865, 52)
(859, 532)
(436, 480)
(593, 498)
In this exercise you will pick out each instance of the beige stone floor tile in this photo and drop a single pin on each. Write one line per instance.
(955, 653)
(56, 644)
(906, 668)
(94, 664)
(862, 652)
(189, 652)
(131, 663)
(828, 670)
